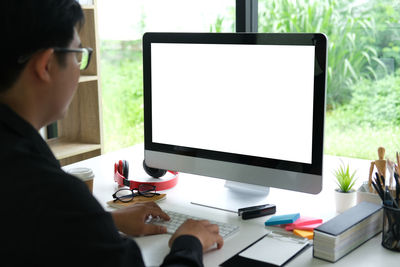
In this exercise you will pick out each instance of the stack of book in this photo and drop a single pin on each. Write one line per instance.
(347, 231)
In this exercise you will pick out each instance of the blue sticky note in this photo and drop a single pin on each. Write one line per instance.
(282, 219)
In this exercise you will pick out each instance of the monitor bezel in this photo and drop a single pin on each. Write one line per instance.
(316, 39)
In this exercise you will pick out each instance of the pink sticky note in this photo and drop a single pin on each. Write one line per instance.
(302, 221)
(302, 227)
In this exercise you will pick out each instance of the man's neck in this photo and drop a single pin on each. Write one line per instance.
(19, 101)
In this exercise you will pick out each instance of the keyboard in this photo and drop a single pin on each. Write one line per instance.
(225, 229)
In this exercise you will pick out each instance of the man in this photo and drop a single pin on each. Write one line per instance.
(49, 217)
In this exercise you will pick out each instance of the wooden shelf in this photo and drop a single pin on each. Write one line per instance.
(87, 78)
(86, 7)
(63, 148)
(80, 131)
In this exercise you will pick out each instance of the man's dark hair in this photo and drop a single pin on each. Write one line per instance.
(31, 25)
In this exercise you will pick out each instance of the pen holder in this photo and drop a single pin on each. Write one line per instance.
(391, 228)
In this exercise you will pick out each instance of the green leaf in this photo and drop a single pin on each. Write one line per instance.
(344, 179)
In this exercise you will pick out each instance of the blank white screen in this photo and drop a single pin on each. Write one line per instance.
(252, 100)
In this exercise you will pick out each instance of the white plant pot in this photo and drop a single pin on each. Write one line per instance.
(345, 201)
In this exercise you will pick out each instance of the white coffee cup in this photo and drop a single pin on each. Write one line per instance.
(85, 174)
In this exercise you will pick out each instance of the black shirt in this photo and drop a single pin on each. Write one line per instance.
(49, 218)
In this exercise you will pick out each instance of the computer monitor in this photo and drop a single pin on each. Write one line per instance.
(245, 107)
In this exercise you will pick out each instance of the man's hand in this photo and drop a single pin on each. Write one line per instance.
(131, 220)
(207, 233)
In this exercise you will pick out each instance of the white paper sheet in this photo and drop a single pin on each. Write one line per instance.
(275, 248)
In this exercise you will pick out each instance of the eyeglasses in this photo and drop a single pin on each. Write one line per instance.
(126, 194)
(83, 55)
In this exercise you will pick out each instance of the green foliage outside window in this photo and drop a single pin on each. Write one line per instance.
(356, 35)
(363, 93)
(122, 86)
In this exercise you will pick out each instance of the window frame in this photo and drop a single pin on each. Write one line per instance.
(246, 15)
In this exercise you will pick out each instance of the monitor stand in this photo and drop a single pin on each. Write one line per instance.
(248, 189)
(234, 195)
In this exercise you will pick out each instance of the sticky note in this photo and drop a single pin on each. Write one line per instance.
(303, 221)
(310, 227)
(306, 220)
(304, 233)
(282, 219)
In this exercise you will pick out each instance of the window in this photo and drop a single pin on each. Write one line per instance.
(363, 88)
(121, 26)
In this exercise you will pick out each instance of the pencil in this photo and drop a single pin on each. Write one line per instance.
(396, 178)
(380, 179)
(398, 162)
(377, 190)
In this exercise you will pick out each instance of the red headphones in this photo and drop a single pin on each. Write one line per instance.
(121, 173)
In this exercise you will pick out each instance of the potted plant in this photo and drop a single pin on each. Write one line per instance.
(345, 195)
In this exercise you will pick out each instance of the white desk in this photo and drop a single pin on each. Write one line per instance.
(154, 248)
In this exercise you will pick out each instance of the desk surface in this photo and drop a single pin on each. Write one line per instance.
(191, 187)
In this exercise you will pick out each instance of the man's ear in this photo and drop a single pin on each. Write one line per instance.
(43, 64)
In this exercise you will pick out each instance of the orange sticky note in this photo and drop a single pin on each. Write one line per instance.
(304, 233)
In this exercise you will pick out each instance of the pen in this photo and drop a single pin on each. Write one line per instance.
(377, 179)
(389, 199)
(378, 190)
(381, 179)
(379, 186)
(396, 178)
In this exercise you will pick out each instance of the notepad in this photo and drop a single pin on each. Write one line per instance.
(282, 219)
